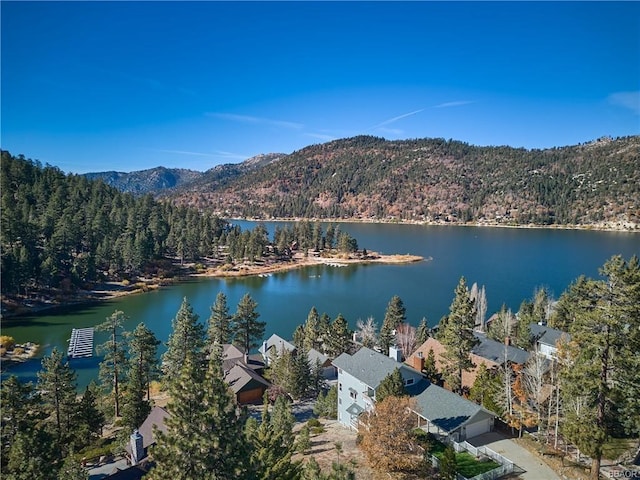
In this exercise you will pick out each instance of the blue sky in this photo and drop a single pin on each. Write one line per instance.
(128, 86)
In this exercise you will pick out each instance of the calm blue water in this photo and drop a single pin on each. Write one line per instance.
(510, 263)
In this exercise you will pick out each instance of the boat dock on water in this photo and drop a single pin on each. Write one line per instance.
(81, 343)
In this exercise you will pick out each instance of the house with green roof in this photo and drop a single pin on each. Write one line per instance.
(437, 410)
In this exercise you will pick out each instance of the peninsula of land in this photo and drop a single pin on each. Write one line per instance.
(17, 305)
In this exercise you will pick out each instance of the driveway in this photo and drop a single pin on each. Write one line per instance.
(534, 468)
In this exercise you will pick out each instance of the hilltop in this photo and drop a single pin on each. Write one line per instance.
(364, 178)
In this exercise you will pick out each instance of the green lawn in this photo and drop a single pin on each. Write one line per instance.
(466, 464)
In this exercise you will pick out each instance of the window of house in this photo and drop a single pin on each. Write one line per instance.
(340, 386)
(340, 401)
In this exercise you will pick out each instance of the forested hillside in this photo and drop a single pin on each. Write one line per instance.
(436, 180)
(146, 181)
(61, 233)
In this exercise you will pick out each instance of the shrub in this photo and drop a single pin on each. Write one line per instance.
(7, 342)
(314, 422)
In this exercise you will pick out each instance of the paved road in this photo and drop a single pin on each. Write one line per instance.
(534, 468)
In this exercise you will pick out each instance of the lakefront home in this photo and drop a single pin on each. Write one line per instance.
(437, 410)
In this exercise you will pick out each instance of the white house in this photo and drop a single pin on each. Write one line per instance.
(437, 409)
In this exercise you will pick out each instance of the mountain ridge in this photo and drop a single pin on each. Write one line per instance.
(430, 180)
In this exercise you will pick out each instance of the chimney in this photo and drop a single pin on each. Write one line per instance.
(416, 361)
(137, 448)
(395, 353)
(354, 337)
(507, 340)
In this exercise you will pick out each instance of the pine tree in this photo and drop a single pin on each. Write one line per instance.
(57, 387)
(219, 325)
(603, 358)
(90, 417)
(430, 368)
(187, 338)
(273, 448)
(457, 337)
(422, 333)
(394, 316)
(31, 456)
(248, 330)
(204, 437)
(112, 367)
(135, 408)
(525, 317)
(391, 386)
(143, 351)
(19, 410)
(312, 330)
(339, 337)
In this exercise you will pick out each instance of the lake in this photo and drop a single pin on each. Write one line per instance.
(511, 263)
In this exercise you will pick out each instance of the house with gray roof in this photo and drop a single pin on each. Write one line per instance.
(273, 346)
(438, 410)
(442, 412)
(546, 339)
(495, 351)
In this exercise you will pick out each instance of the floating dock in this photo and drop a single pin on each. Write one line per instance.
(81, 343)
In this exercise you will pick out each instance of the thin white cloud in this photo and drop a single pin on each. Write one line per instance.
(391, 131)
(321, 136)
(399, 117)
(630, 100)
(256, 120)
(215, 154)
(457, 103)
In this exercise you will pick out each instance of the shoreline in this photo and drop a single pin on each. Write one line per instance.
(111, 290)
(619, 227)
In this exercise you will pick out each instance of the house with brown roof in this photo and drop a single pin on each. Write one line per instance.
(490, 352)
(243, 374)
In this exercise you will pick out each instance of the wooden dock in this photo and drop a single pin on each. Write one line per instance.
(81, 343)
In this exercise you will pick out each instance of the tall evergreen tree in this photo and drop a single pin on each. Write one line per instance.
(143, 351)
(339, 337)
(603, 358)
(57, 387)
(422, 333)
(219, 325)
(248, 330)
(457, 336)
(19, 411)
(112, 367)
(273, 447)
(312, 330)
(32, 455)
(204, 437)
(90, 417)
(188, 337)
(393, 317)
(135, 408)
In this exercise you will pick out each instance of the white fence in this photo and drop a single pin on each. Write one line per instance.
(505, 468)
